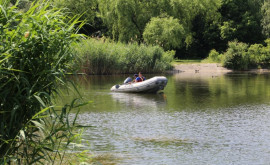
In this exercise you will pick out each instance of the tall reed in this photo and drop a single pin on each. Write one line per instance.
(35, 54)
(106, 57)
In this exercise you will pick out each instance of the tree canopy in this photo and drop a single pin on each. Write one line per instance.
(166, 32)
(266, 18)
(198, 26)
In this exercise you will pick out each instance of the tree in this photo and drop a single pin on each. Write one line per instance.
(86, 8)
(241, 20)
(126, 19)
(166, 32)
(266, 18)
(208, 24)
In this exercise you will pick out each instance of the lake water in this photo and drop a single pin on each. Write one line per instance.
(197, 119)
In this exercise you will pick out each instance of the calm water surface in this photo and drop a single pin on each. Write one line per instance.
(197, 120)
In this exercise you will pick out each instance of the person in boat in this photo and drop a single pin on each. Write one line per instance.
(135, 76)
(141, 76)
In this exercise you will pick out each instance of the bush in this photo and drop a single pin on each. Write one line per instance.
(34, 57)
(105, 57)
(214, 56)
(241, 57)
(266, 51)
(256, 55)
(259, 55)
(236, 56)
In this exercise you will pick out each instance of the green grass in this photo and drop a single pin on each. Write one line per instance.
(202, 61)
(187, 61)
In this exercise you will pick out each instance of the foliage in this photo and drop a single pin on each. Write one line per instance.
(256, 55)
(266, 18)
(214, 56)
(85, 8)
(236, 56)
(206, 34)
(240, 56)
(127, 20)
(166, 32)
(207, 24)
(34, 56)
(105, 57)
(259, 54)
(241, 20)
(227, 31)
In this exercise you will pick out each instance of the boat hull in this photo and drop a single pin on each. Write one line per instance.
(151, 85)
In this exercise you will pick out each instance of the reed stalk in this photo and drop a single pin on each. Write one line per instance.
(35, 55)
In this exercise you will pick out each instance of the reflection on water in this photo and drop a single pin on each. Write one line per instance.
(220, 119)
(217, 92)
(140, 100)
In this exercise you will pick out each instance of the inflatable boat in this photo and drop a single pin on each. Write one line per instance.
(151, 85)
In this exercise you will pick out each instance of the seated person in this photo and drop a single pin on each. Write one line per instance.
(135, 77)
(141, 76)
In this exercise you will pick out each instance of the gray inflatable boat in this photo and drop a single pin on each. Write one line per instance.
(151, 85)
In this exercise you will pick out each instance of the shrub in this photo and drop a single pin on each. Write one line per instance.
(256, 55)
(266, 50)
(259, 54)
(240, 57)
(105, 57)
(214, 56)
(236, 56)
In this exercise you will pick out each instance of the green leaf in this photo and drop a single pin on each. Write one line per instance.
(40, 112)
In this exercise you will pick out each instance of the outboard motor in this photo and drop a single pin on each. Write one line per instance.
(127, 80)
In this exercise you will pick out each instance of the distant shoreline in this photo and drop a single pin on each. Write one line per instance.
(210, 69)
(200, 68)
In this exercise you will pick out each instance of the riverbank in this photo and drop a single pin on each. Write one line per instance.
(209, 69)
(201, 68)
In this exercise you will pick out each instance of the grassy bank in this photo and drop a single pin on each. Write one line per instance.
(187, 61)
(105, 57)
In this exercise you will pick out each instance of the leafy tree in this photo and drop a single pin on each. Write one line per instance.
(206, 36)
(126, 19)
(208, 24)
(166, 32)
(86, 8)
(202, 28)
(241, 20)
(266, 18)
